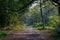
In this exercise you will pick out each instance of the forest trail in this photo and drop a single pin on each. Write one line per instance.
(29, 34)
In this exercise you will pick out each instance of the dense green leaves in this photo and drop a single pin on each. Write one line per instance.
(9, 11)
(11, 15)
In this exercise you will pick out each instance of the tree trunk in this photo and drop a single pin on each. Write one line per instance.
(42, 16)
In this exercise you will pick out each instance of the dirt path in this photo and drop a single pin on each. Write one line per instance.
(29, 34)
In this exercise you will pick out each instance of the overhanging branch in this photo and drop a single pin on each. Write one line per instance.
(24, 7)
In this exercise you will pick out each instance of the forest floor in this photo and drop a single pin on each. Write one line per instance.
(29, 34)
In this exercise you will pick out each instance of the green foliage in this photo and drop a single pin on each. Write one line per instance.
(8, 11)
(54, 19)
(38, 26)
(15, 27)
(3, 34)
(10, 17)
(50, 12)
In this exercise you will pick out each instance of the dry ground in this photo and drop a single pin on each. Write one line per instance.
(29, 34)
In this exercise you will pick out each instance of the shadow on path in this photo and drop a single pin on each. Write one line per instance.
(29, 37)
(25, 37)
(31, 34)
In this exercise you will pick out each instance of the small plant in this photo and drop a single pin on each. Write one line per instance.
(3, 34)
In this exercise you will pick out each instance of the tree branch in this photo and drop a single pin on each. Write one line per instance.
(24, 7)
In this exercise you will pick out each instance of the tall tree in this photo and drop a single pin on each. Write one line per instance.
(43, 20)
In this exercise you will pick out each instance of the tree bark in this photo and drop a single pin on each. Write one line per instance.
(42, 16)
